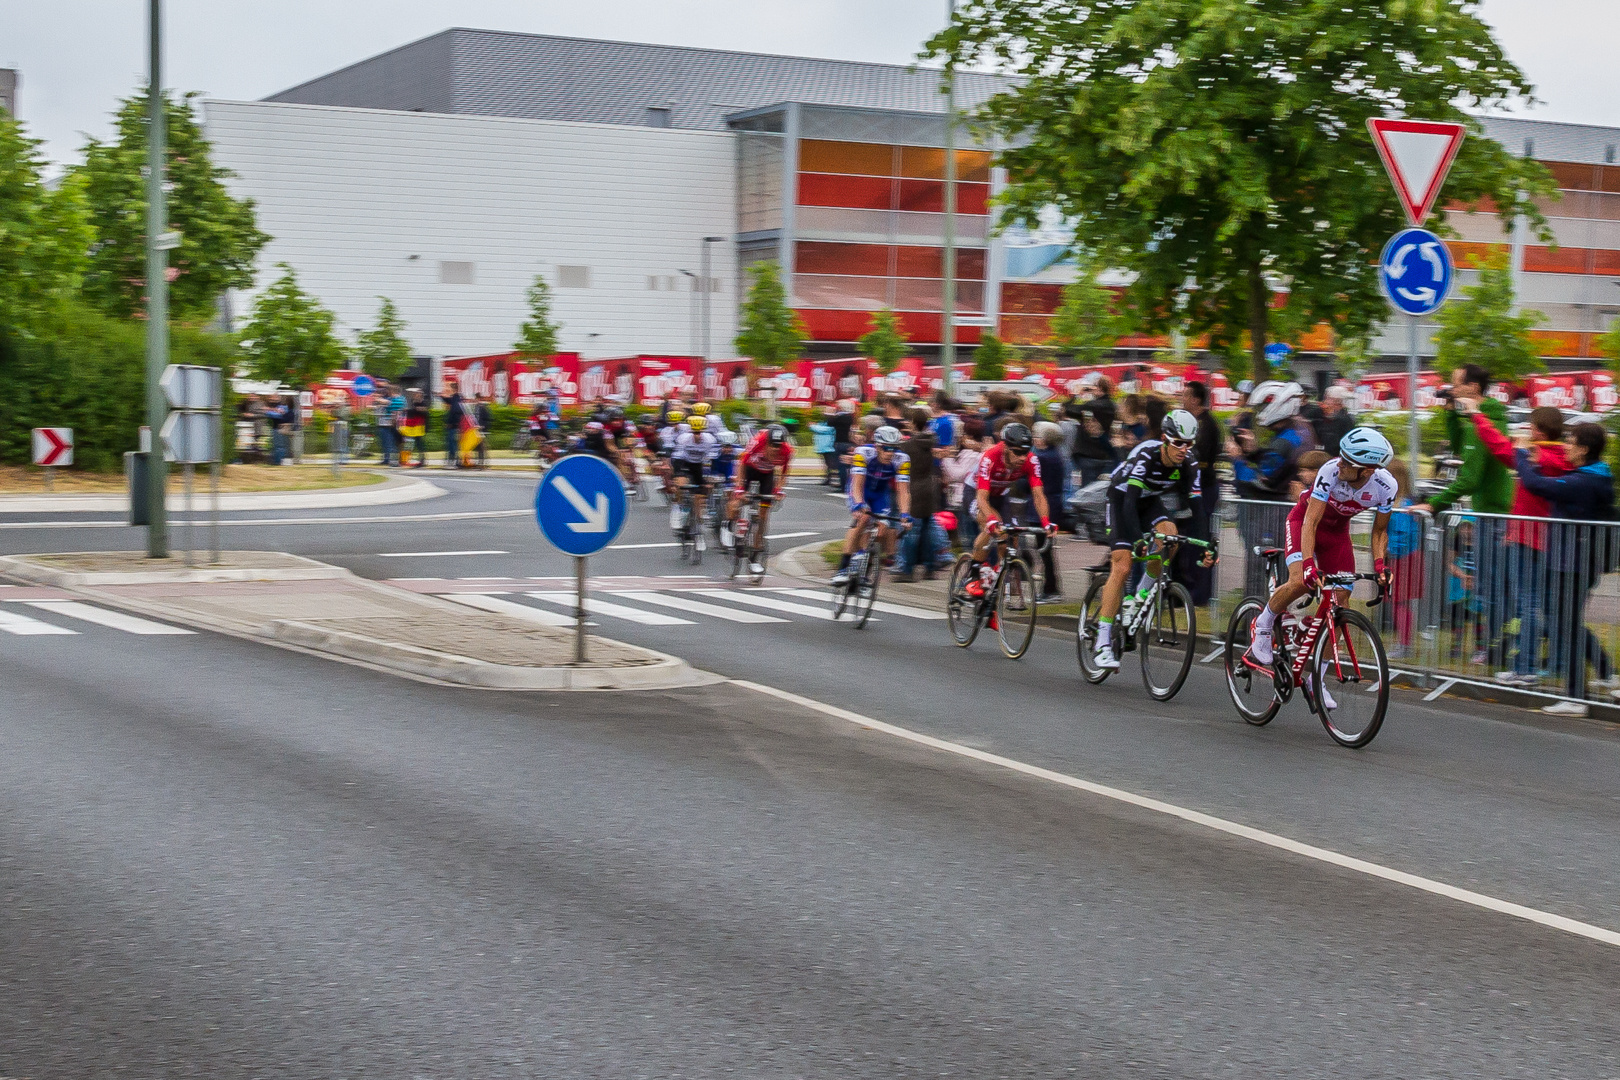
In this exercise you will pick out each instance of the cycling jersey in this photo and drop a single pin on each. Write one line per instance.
(1344, 502)
(724, 465)
(760, 456)
(1144, 468)
(700, 447)
(878, 480)
(997, 474)
(667, 437)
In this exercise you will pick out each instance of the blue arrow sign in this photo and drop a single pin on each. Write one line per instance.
(580, 504)
(363, 386)
(1416, 271)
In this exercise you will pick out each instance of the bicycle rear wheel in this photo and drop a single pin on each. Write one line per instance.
(1017, 599)
(962, 611)
(866, 586)
(761, 554)
(1349, 680)
(1253, 691)
(1167, 641)
(1085, 632)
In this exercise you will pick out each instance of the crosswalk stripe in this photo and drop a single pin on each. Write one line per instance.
(696, 607)
(507, 607)
(617, 611)
(877, 605)
(102, 617)
(761, 600)
(13, 623)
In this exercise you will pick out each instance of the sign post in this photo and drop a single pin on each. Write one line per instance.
(580, 507)
(191, 436)
(53, 447)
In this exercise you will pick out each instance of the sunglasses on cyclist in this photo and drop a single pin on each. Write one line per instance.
(1178, 444)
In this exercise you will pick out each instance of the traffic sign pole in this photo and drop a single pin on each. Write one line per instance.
(580, 507)
(157, 292)
(579, 609)
(1411, 399)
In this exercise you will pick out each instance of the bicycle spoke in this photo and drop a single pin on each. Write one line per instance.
(1350, 680)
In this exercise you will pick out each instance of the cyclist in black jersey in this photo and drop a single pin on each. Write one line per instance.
(1153, 469)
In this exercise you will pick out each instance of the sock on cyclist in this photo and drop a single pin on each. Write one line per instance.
(1265, 620)
(843, 561)
(1105, 631)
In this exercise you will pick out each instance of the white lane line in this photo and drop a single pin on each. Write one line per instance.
(769, 602)
(639, 547)
(1209, 821)
(679, 602)
(790, 536)
(231, 523)
(877, 605)
(507, 607)
(101, 617)
(22, 625)
(617, 611)
(432, 554)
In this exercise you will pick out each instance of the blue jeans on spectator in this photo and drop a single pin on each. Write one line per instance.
(1528, 583)
(831, 458)
(840, 450)
(919, 547)
(386, 437)
(280, 446)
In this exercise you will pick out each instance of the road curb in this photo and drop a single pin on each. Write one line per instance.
(67, 579)
(392, 491)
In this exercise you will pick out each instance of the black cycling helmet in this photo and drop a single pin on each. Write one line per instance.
(615, 413)
(776, 433)
(1017, 436)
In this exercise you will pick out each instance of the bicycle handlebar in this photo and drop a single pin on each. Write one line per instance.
(1345, 581)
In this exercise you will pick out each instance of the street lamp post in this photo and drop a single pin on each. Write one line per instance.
(706, 283)
(691, 313)
(157, 297)
(947, 350)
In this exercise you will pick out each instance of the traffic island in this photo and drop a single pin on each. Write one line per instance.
(294, 602)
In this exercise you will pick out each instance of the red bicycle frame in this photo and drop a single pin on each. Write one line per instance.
(1312, 628)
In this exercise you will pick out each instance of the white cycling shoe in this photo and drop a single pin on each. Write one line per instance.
(1104, 656)
(1260, 646)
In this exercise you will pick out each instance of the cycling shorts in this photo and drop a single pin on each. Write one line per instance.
(765, 479)
(692, 470)
(998, 508)
(1334, 552)
(1149, 512)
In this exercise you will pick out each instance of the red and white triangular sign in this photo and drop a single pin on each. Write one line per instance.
(1418, 154)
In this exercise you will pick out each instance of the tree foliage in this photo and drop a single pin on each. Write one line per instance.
(1608, 344)
(1481, 328)
(290, 336)
(44, 235)
(537, 337)
(220, 238)
(1086, 325)
(884, 344)
(1218, 148)
(990, 358)
(383, 350)
(772, 333)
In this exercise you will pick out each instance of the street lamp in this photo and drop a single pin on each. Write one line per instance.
(706, 282)
(691, 313)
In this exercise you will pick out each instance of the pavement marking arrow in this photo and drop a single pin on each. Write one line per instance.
(596, 519)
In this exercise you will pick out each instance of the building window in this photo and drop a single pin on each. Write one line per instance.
(658, 116)
(573, 277)
(455, 273)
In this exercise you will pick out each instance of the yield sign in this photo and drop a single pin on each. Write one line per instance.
(53, 446)
(1418, 154)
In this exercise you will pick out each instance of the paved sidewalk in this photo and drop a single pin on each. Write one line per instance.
(292, 601)
(395, 489)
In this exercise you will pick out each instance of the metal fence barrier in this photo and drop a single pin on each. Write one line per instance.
(1478, 598)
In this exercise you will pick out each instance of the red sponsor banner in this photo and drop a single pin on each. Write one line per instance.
(1601, 394)
(1581, 391)
(820, 382)
(507, 380)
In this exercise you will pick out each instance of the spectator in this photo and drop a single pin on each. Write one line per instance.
(944, 421)
(823, 433)
(1405, 560)
(1463, 600)
(917, 548)
(1133, 426)
(1054, 478)
(1265, 471)
(960, 472)
(1584, 494)
(486, 419)
(454, 408)
(414, 429)
(1527, 541)
(1207, 449)
(1310, 463)
(842, 421)
(1336, 419)
(1093, 446)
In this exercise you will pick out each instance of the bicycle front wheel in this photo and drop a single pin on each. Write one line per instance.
(866, 587)
(1085, 630)
(1016, 601)
(1349, 680)
(961, 608)
(1252, 689)
(1167, 641)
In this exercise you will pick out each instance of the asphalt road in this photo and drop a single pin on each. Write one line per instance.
(225, 859)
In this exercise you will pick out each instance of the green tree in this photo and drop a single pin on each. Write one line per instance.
(1608, 344)
(1482, 329)
(1085, 325)
(537, 337)
(383, 350)
(1223, 144)
(884, 343)
(220, 238)
(772, 333)
(44, 235)
(290, 336)
(990, 358)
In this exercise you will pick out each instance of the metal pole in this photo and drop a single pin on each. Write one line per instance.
(157, 295)
(947, 351)
(703, 283)
(191, 518)
(1411, 399)
(213, 495)
(579, 611)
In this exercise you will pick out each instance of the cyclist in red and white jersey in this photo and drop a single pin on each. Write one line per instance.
(1319, 526)
(1010, 462)
(764, 462)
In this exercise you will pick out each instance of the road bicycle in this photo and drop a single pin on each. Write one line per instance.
(751, 545)
(859, 593)
(1342, 674)
(1162, 627)
(1013, 597)
(687, 529)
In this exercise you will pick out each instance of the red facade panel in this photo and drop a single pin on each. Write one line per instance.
(921, 327)
(1030, 298)
(850, 192)
(819, 257)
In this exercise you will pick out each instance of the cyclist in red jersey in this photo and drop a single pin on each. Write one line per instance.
(1008, 462)
(764, 462)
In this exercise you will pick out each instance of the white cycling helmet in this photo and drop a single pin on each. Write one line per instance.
(886, 436)
(727, 438)
(1273, 402)
(1366, 447)
(1180, 425)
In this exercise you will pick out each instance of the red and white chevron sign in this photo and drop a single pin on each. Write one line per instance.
(53, 446)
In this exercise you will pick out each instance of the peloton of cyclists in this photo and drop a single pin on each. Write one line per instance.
(878, 472)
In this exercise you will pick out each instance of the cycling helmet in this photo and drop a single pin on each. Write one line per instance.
(593, 427)
(777, 434)
(886, 436)
(700, 409)
(676, 416)
(615, 413)
(1367, 447)
(727, 438)
(1273, 402)
(1017, 436)
(1180, 425)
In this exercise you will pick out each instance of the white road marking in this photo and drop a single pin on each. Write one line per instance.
(877, 605)
(431, 554)
(22, 625)
(759, 600)
(697, 607)
(507, 607)
(1209, 821)
(377, 519)
(617, 611)
(639, 547)
(102, 617)
(790, 536)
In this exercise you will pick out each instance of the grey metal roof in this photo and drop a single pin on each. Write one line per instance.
(1547, 140)
(495, 73)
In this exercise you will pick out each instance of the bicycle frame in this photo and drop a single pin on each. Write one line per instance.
(1312, 627)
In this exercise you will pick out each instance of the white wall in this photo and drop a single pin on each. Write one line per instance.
(349, 195)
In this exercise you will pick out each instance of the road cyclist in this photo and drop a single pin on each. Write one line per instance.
(690, 456)
(1008, 465)
(762, 467)
(880, 482)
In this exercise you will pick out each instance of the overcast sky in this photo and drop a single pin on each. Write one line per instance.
(77, 57)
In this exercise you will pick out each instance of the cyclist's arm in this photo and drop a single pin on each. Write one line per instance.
(1130, 516)
(1315, 510)
(1380, 537)
(903, 496)
(857, 488)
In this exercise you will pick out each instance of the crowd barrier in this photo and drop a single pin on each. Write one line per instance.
(1472, 597)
